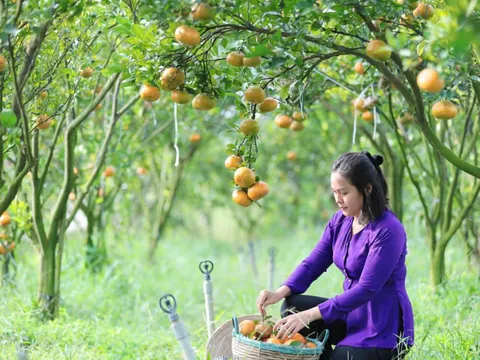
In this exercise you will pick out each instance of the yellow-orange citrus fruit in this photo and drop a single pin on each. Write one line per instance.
(244, 177)
(297, 126)
(444, 110)
(235, 58)
(187, 35)
(252, 61)
(299, 116)
(359, 103)
(255, 94)
(195, 138)
(5, 219)
(86, 73)
(426, 11)
(246, 327)
(258, 190)
(291, 155)
(367, 116)
(241, 198)
(202, 12)
(284, 121)
(429, 80)
(43, 122)
(359, 69)
(172, 78)
(149, 93)
(3, 63)
(180, 97)
(269, 104)
(109, 171)
(203, 102)
(379, 50)
(141, 171)
(233, 162)
(249, 127)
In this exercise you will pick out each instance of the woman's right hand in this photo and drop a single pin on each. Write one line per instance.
(267, 297)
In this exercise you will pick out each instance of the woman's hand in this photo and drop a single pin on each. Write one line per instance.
(290, 325)
(267, 297)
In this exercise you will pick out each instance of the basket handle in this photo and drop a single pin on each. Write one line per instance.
(325, 333)
(236, 330)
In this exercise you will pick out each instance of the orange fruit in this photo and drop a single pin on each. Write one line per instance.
(247, 327)
(5, 219)
(406, 118)
(359, 103)
(249, 127)
(429, 80)
(181, 97)
(269, 104)
(3, 250)
(203, 102)
(75, 171)
(202, 12)
(86, 73)
(109, 171)
(255, 94)
(43, 122)
(172, 78)
(72, 196)
(3, 63)
(241, 198)
(378, 50)
(187, 35)
(299, 116)
(299, 337)
(258, 191)
(141, 171)
(11, 246)
(235, 58)
(233, 162)
(195, 138)
(291, 155)
(262, 329)
(297, 126)
(244, 177)
(426, 11)
(367, 116)
(149, 93)
(252, 61)
(274, 340)
(444, 110)
(283, 121)
(310, 345)
(359, 69)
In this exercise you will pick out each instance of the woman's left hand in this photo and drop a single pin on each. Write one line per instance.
(290, 325)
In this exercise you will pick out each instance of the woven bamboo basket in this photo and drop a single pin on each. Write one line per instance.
(244, 348)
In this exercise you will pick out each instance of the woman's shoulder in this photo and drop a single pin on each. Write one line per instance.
(337, 219)
(387, 222)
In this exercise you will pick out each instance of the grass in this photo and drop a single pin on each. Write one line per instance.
(115, 314)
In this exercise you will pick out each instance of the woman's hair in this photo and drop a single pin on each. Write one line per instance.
(362, 169)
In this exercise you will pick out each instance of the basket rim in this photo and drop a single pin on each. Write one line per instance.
(289, 350)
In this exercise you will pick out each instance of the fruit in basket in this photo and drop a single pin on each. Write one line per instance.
(293, 342)
(263, 330)
(310, 345)
(247, 327)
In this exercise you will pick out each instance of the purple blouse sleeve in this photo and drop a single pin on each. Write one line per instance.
(385, 250)
(313, 265)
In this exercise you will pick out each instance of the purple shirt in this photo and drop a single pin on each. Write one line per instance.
(374, 298)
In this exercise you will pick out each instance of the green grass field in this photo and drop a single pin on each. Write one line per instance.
(115, 314)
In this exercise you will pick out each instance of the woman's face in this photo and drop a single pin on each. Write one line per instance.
(347, 197)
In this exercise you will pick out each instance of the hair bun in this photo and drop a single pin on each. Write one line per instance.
(378, 159)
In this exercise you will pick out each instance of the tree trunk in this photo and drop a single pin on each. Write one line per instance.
(437, 265)
(46, 294)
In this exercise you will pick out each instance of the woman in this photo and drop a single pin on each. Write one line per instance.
(373, 318)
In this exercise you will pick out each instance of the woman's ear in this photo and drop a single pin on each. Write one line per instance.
(368, 190)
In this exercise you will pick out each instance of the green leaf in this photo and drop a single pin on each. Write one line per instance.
(420, 48)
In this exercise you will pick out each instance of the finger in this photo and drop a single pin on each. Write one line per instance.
(279, 324)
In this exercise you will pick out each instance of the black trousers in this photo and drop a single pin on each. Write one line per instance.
(338, 330)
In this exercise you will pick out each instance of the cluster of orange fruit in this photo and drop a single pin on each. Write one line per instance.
(294, 122)
(263, 331)
(250, 189)
(173, 79)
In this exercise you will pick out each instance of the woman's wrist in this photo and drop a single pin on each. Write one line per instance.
(313, 314)
(283, 291)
